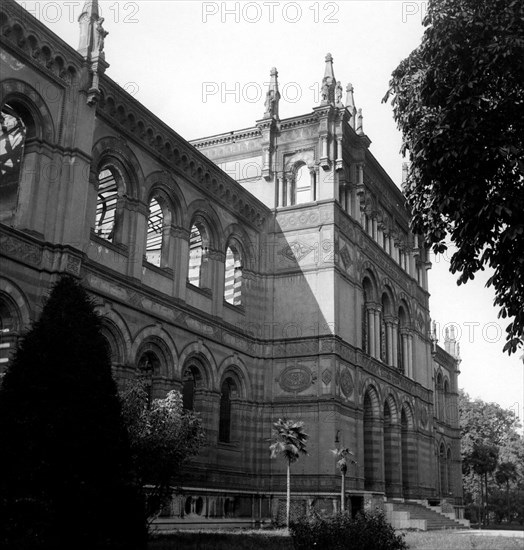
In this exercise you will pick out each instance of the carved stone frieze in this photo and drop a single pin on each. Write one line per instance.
(296, 379)
(327, 376)
(16, 248)
(346, 382)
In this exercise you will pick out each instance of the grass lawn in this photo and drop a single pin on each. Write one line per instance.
(280, 540)
(449, 540)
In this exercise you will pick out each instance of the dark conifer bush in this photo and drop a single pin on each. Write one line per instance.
(65, 472)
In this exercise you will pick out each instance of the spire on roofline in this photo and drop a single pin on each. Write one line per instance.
(328, 90)
(272, 96)
(91, 46)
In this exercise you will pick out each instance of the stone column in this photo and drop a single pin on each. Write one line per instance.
(312, 175)
(289, 189)
(280, 185)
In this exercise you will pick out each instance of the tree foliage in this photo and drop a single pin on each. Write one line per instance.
(492, 453)
(459, 101)
(163, 437)
(66, 479)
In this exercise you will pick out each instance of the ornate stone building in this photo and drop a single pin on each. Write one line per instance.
(264, 273)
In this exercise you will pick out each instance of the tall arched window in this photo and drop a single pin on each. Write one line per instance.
(303, 185)
(233, 276)
(228, 390)
(12, 141)
(191, 381)
(198, 244)
(449, 472)
(446, 402)
(402, 341)
(106, 204)
(148, 366)
(439, 396)
(155, 233)
(9, 327)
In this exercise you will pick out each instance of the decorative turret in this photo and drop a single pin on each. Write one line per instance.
(350, 105)
(329, 84)
(272, 96)
(450, 343)
(91, 46)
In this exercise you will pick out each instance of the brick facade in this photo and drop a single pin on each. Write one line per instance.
(286, 283)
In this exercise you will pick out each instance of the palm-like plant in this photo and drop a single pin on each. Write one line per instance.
(345, 458)
(289, 441)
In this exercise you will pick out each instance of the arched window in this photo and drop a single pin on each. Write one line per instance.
(402, 341)
(233, 276)
(446, 402)
(188, 389)
(9, 327)
(370, 320)
(106, 203)
(192, 382)
(155, 233)
(439, 393)
(148, 366)
(12, 143)
(228, 390)
(303, 185)
(113, 346)
(449, 472)
(386, 331)
(198, 244)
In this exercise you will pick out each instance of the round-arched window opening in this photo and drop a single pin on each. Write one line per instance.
(199, 506)
(303, 185)
(187, 506)
(12, 142)
(155, 233)
(233, 276)
(106, 204)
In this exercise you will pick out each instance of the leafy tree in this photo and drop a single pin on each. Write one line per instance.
(488, 430)
(459, 101)
(506, 473)
(482, 460)
(66, 477)
(345, 458)
(289, 441)
(163, 437)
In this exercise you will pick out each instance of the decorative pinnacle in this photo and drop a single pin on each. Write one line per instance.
(329, 66)
(329, 83)
(272, 96)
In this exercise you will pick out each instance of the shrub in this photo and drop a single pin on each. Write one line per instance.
(66, 478)
(367, 531)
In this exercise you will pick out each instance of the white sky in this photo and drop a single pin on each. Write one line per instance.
(203, 68)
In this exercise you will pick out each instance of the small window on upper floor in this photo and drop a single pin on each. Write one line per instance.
(106, 204)
(303, 185)
(233, 277)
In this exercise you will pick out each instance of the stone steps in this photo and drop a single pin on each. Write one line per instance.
(412, 515)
